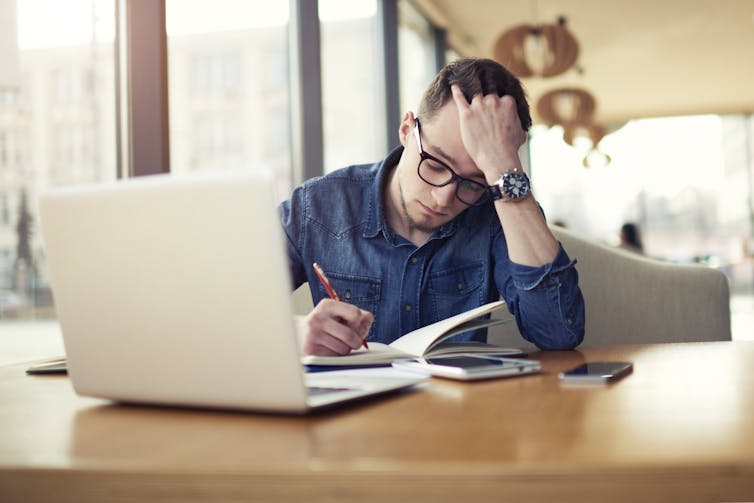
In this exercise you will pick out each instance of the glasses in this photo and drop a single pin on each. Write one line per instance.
(438, 174)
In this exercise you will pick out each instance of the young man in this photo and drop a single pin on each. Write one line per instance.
(444, 224)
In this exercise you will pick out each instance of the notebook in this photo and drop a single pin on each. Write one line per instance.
(175, 290)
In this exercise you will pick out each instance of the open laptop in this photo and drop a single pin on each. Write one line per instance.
(175, 290)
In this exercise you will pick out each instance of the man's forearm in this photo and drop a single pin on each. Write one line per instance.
(530, 241)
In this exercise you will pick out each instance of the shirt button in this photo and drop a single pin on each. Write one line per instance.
(414, 260)
(407, 307)
(347, 294)
(459, 286)
(569, 321)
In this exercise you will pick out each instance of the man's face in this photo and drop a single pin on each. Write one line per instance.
(425, 207)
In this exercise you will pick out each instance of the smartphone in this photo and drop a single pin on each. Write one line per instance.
(52, 367)
(597, 372)
(468, 366)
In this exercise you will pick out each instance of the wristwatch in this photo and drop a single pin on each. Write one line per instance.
(511, 186)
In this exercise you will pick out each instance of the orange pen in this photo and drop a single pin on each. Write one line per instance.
(330, 290)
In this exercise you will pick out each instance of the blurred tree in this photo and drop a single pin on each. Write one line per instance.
(24, 266)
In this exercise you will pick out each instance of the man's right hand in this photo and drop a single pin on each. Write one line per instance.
(334, 328)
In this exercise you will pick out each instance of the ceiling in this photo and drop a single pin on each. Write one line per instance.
(640, 58)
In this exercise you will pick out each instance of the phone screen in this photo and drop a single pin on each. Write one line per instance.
(598, 370)
(469, 362)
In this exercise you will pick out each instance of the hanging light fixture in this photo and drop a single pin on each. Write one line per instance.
(587, 137)
(592, 133)
(573, 109)
(566, 106)
(543, 50)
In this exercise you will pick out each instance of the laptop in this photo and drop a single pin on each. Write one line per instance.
(175, 290)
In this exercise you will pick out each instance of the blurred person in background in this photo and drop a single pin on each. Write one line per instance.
(630, 238)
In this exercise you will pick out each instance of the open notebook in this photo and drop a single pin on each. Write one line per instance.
(425, 341)
(175, 290)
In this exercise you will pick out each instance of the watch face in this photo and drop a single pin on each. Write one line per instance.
(515, 185)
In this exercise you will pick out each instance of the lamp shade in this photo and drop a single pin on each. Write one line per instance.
(593, 132)
(544, 50)
(566, 106)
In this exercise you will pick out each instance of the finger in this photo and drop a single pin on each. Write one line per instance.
(348, 335)
(461, 101)
(325, 345)
(348, 313)
(338, 319)
(324, 340)
(322, 351)
(366, 324)
(345, 321)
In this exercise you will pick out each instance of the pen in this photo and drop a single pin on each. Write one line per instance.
(330, 290)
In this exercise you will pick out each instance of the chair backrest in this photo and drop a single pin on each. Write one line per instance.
(630, 299)
(634, 299)
(302, 300)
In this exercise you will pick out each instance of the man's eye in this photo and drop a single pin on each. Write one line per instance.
(436, 166)
(469, 186)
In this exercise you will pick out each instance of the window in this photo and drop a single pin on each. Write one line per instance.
(686, 182)
(353, 106)
(67, 72)
(217, 74)
(228, 94)
(416, 55)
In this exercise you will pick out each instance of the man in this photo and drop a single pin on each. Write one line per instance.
(444, 224)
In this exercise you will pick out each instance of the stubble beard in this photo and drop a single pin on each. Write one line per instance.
(413, 224)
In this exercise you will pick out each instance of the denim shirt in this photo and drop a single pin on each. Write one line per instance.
(338, 220)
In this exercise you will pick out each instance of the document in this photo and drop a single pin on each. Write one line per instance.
(424, 341)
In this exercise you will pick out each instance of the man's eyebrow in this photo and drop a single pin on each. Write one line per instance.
(440, 152)
(451, 161)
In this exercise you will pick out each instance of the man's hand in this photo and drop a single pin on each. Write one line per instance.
(492, 134)
(491, 131)
(335, 328)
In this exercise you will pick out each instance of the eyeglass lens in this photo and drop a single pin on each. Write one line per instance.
(437, 173)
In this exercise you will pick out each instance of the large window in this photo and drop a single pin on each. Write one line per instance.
(685, 181)
(353, 105)
(416, 55)
(57, 128)
(228, 86)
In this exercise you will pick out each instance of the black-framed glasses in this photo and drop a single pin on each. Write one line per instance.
(438, 174)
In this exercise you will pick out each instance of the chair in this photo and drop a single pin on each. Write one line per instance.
(630, 299)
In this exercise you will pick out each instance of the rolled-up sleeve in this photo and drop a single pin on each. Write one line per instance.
(547, 302)
(292, 218)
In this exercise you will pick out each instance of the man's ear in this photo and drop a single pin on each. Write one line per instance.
(407, 125)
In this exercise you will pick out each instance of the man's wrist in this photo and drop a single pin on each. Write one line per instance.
(494, 170)
(512, 185)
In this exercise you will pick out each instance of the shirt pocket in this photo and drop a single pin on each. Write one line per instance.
(361, 291)
(452, 291)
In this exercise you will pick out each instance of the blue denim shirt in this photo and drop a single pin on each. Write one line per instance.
(339, 221)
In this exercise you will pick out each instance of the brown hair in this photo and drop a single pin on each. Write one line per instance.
(474, 76)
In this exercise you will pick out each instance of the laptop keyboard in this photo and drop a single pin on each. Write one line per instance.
(320, 390)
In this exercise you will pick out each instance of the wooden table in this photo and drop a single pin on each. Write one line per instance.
(680, 428)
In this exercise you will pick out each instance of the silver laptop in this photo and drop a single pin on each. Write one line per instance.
(175, 290)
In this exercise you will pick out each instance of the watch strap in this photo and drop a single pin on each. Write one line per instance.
(495, 192)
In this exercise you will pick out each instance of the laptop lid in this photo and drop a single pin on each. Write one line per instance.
(175, 290)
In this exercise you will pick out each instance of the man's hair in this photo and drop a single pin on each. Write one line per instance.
(474, 76)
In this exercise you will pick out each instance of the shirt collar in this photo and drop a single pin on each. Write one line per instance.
(376, 221)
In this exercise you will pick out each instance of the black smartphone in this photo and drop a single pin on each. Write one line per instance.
(53, 367)
(597, 372)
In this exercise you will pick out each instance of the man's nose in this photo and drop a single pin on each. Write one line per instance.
(445, 195)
